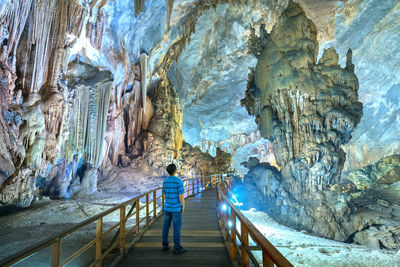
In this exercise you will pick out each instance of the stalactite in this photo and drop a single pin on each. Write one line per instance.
(170, 5)
(143, 74)
(37, 31)
(95, 30)
(99, 99)
(90, 116)
(186, 29)
(139, 6)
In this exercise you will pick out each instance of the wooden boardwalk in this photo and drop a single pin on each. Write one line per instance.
(201, 236)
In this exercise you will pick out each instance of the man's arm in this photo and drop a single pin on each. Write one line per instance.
(182, 200)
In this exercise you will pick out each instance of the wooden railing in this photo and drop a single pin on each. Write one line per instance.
(124, 238)
(237, 241)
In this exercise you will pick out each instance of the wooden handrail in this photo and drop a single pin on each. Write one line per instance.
(270, 255)
(124, 244)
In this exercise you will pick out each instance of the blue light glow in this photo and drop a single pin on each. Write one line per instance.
(235, 201)
(230, 224)
(224, 207)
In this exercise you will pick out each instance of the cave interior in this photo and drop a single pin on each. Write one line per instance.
(299, 98)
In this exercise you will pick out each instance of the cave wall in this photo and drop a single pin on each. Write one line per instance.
(33, 52)
(376, 135)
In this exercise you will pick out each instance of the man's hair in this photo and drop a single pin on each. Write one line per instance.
(171, 169)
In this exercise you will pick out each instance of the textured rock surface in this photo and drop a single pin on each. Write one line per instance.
(210, 76)
(195, 162)
(161, 144)
(33, 103)
(376, 135)
(308, 110)
(384, 172)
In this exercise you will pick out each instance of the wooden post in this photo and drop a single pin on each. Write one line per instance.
(55, 253)
(226, 222)
(267, 262)
(122, 233)
(99, 234)
(154, 204)
(147, 210)
(245, 243)
(233, 236)
(192, 186)
(198, 185)
(137, 217)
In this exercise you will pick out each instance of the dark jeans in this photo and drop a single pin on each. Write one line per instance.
(176, 218)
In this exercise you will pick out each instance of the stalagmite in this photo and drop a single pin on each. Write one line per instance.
(139, 6)
(308, 111)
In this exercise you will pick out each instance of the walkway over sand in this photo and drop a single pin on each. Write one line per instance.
(201, 236)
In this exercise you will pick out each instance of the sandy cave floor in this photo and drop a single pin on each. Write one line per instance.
(46, 217)
(310, 251)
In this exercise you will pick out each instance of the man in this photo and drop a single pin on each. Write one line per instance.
(174, 206)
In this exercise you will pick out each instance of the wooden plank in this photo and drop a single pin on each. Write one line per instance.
(78, 252)
(137, 217)
(147, 210)
(233, 237)
(186, 239)
(245, 243)
(267, 262)
(158, 232)
(99, 236)
(122, 232)
(154, 204)
(55, 253)
(184, 244)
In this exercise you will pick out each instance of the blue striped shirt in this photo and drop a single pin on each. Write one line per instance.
(172, 187)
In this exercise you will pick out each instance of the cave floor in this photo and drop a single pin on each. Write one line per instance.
(45, 217)
(302, 249)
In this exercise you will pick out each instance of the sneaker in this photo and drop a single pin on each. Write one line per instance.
(165, 248)
(180, 250)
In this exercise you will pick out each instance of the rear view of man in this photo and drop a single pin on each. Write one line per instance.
(174, 206)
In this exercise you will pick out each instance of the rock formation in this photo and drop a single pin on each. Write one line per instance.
(308, 110)
(161, 143)
(375, 191)
(195, 162)
(33, 51)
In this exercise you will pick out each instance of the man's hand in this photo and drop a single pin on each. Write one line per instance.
(182, 200)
